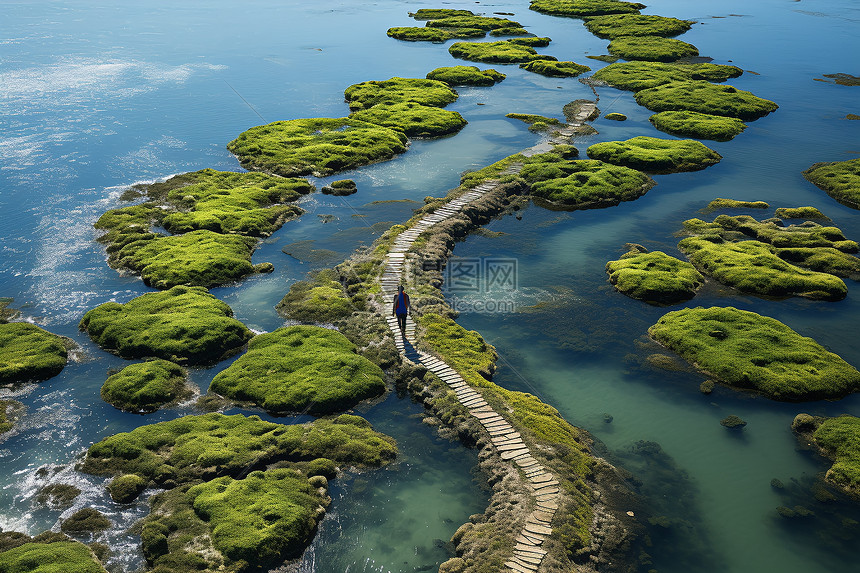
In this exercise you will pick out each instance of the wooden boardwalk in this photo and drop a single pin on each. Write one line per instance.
(526, 554)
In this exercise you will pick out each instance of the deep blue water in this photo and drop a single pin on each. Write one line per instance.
(97, 95)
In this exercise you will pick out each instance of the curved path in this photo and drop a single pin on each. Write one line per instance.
(527, 553)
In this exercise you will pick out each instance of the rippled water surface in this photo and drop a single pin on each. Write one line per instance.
(97, 95)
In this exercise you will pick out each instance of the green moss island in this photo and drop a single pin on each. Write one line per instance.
(438, 35)
(413, 119)
(444, 24)
(301, 369)
(808, 213)
(502, 52)
(837, 439)
(635, 76)
(318, 147)
(584, 8)
(29, 353)
(651, 48)
(655, 155)
(720, 203)
(55, 554)
(615, 25)
(555, 69)
(186, 325)
(466, 76)
(215, 217)
(654, 277)
(749, 351)
(146, 387)
(243, 518)
(431, 93)
(840, 179)
(775, 232)
(698, 125)
(705, 97)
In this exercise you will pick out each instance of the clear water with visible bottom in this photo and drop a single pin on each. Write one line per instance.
(98, 95)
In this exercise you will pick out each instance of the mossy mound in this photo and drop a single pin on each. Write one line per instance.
(839, 439)
(534, 121)
(808, 213)
(532, 41)
(513, 31)
(555, 69)
(126, 488)
(399, 90)
(720, 203)
(750, 351)
(615, 116)
(199, 258)
(583, 184)
(466, 76)
(654, 277)
(584, 8)
(807, 234)
(56, 557)
(615, 25)
(705, 97)
(502, 52)
(823, 260)
(413, 119)
(146, 387)
(436, 13)
(840, 179)
(86, 520)
(651, 48)
(439, 35)
(473, 22)
(340, 188)
(698, 125)
(212, 445)
(321, 299)
(29, 353)
(733, 422)
(183, 325)
(754, 267)
(301, 369)
(254, 523)
(656, 155)
(635, 76)
(320, 146)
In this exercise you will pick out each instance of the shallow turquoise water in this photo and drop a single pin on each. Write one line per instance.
(97, 95)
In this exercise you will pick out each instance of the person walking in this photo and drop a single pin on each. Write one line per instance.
(400, 308)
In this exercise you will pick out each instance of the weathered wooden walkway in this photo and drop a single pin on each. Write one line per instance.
(526, 554)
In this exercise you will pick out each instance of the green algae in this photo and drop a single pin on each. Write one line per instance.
(413, 119)
(839, 440)
(183, 325)
(584, 8)
(399, 90)
(615, 116)
(145, 387)
(555, 69)
(474, 22)
(502, 52)
(583, 184)
(698, 125)
(466, 76)
(58, 495)
(651, 49)
(705, 97)
(512, 31)
(8, 411)
(532, 41)
(635, 76)
(840, 179)
(615, 25)
(85, 520)
(301, 369)
(750, 351)
(211, 445)
(654, 277)
(656, 155)
(340, 188)
(534, 121)
(754, 267)
(29, 353)
(823, 260)
(318, 146)
(809, 213)
(199, 258)
(720, 203)
(321, 299)
(57, 557)
(436, 13)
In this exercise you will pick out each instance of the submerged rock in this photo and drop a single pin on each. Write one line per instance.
(733, 422)
(837, 439)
